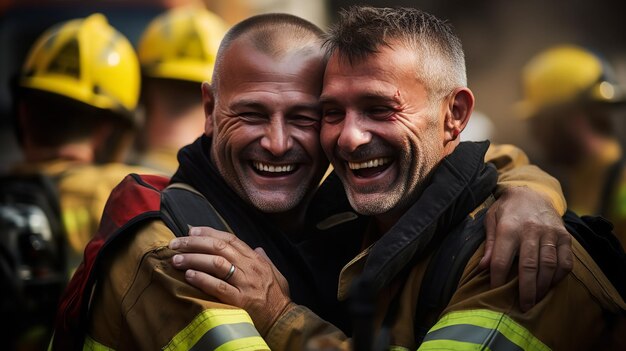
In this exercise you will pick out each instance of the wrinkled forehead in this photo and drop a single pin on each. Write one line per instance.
(244, 61)
(388, 64)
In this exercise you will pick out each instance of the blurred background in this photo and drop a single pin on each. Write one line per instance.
(498, 36)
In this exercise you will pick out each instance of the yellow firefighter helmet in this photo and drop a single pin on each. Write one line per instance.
(563, 75)
(86, 60)
(181, 44)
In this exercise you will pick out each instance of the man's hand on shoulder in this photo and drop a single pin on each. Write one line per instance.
(524, 222)
(224, 267)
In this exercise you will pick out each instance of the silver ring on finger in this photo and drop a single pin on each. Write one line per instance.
(548, 244)
(230, 273)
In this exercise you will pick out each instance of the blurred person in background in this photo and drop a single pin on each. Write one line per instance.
(176, 53)
(570, 94)
(75, 101)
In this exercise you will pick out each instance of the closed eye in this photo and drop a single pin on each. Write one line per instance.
(380, 112)
(253, 117)
(332, 115)
(304, 120)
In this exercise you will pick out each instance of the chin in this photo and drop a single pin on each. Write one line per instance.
(273, 204)
(371, 206)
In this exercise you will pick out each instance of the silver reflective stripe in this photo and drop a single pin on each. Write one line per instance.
(475, 335)
(224, 333)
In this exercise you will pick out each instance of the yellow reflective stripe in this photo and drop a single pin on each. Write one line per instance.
(225, 333)
(218, 329)
(252, 343)
(398, 348)
(499, 331)
(452, 345)
(92, 345)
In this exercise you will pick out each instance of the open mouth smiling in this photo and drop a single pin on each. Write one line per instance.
(370, 168)
(273, 170)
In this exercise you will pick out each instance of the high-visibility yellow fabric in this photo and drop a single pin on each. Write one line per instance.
(144, 303)
(582, 312)
(92, 345)
(496, 323)
(212, 319)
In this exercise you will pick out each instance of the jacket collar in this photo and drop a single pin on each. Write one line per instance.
(459, 184)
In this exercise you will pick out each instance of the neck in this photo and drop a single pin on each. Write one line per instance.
(290, 222)
(385, 221)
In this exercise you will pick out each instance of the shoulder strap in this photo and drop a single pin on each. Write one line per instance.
(185, 207)
(444, 272)
(595, 234)
(131, 204)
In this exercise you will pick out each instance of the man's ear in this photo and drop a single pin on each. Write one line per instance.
(460, 107)
(208, 103)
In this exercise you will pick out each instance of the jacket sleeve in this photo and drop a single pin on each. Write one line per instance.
(514, 169)
(145, 303)
(582, 312)
(298, 328)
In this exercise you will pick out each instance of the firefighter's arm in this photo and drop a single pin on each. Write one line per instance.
(514, 170)
(580, 313)
(526, 220)
(255, 285)
(149, 305)
(301, 329)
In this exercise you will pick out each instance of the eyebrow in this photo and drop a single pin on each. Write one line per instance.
(247, 103)
(376, 96)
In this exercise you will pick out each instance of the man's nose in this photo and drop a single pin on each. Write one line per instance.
(277, 139)
(353, 133)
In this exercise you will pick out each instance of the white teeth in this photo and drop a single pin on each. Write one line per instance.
(369, 164)
(274, 169)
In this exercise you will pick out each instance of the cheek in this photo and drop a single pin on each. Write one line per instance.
(231, 137)
(228, 129)
(310, 140)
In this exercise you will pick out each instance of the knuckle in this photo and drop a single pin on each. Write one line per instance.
(220, 244)
(183, 242)
(531, 244)
(219, 262)
(534, 228)
(549, 261)
(529, 264)
(222, 287)
(567, 264)
(230, 238)
(499, 262)
(506, 225)
(565, 238)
